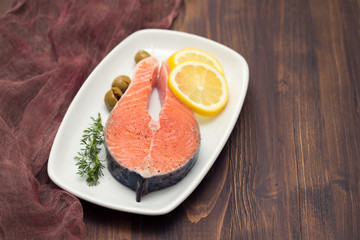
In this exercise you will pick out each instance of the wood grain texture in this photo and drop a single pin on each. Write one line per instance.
(294, 153)
(290, 169)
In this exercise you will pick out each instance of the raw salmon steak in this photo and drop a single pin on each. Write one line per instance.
(146, 154)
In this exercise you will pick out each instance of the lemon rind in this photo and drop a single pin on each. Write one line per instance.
(211, 110)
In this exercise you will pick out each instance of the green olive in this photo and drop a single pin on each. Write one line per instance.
(117, 92)
(112, 97)
(140, 55)
(121, 82)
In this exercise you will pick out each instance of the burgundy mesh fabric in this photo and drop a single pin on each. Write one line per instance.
(48, 48)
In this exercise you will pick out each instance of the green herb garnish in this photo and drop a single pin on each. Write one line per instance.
(88, 161)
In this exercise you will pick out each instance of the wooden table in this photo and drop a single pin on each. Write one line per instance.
(290, 169)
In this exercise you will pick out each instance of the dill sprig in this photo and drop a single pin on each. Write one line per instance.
(88, 162)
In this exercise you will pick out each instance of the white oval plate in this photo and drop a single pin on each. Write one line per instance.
(88, 102)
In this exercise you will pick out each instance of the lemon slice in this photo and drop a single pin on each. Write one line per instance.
(188, 54)
(200, 86)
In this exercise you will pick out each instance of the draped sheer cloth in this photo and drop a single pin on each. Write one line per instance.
(48, 48)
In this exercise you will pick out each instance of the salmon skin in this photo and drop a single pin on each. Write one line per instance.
(146, 154)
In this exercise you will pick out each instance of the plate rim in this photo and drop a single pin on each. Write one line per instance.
(195, 182)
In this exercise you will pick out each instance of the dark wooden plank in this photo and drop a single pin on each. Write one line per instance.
(295, 150)
(290, 169)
